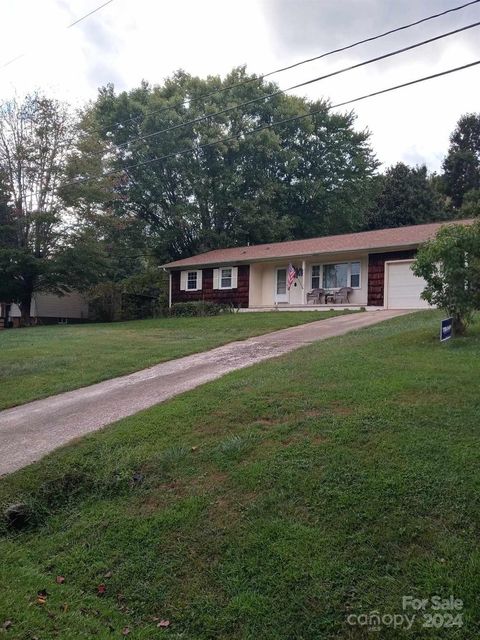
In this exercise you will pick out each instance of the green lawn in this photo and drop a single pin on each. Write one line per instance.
(270, 504)
(41, 361)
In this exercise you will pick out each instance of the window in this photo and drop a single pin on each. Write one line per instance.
(225, 278)
(335, 276)
(192, 280)
(316, 276)
(355, 275)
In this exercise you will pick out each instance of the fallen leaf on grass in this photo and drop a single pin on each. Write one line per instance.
(108, 574)
(42, 596)
(7, 624)
(126, 631)
(163, 624)
(59, 579)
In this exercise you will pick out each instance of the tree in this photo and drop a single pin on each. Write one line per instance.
(462, 164)
(471, 205)
(38, 252)
(450, 264)
(7, 241)
(299, 179)
(404, 196)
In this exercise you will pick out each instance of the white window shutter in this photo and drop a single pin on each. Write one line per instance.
(199, 279)
(234, 277)
(183, 280)
(216, 278)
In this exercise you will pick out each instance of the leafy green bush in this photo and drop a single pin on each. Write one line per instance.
(450, 264)
(198, 308)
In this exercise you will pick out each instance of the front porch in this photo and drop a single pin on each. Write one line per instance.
(270, 287)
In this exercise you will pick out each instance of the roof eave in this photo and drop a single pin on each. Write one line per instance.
(293, 256)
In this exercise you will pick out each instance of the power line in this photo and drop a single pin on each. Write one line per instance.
(278, 122)
(268, 126)
(297, 64)
(272, 125)
(72, 24)
(88, 14)
(291, 88)
(295, 86)
(287, 89)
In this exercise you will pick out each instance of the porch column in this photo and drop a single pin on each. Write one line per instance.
(304, 282)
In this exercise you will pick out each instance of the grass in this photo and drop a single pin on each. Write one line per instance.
(42, 361)
(270, 504)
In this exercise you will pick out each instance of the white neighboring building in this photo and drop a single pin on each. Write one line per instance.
(48, 308)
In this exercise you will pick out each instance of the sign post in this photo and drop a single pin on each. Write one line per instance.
(446, 329)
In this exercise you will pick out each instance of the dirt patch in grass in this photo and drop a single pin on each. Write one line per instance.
(422, 397)
(158, 499)
(314, 413)
(268, 422)
(272, 443)
(167, 493)
(340, 409)
(209, 481)
(229, 508)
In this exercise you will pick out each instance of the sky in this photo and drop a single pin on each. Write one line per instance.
(131, 40)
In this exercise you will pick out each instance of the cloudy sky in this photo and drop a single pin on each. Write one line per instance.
(131, 40)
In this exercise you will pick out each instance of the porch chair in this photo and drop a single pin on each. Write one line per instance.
(315, 296)
(341, 296)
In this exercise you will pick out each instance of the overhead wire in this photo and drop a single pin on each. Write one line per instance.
(296, 86)
(281, 91)
(274, 124)
(331, 52)
(72, 24)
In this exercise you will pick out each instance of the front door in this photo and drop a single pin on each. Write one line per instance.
(281, 293)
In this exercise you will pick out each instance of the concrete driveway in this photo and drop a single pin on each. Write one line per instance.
(32, 430)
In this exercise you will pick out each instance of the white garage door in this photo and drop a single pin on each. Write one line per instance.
(402, 287)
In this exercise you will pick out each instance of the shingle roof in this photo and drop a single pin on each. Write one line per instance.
(401, 237)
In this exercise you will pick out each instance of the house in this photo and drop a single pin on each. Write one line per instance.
(47, 308)
(374, 265)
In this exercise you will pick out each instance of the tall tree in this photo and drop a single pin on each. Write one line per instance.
(462, 165)
(298, 179)
(7, 241)
(35, 244)
(404, 196)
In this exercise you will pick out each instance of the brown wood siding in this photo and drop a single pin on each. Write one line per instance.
(237, 297)
(376, 274)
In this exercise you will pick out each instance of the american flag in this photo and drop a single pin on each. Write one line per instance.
(291, 275)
